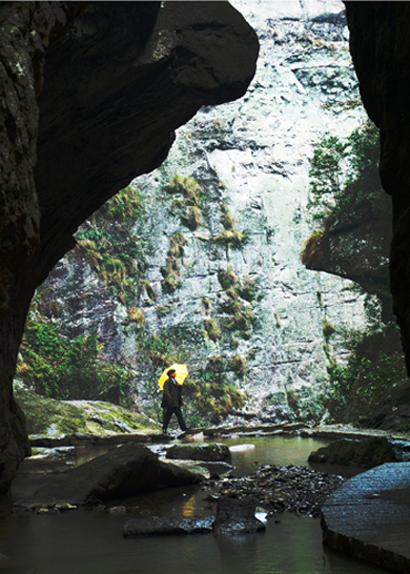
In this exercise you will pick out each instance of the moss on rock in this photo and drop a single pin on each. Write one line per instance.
(51, 417)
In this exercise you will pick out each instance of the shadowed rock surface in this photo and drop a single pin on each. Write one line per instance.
(380, 47)
(115, 88)
(365, 453)
(122, 472)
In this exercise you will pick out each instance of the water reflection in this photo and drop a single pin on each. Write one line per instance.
(92, 543)
(89, 542)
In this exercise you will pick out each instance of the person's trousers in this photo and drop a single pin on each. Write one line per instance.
(168, 412)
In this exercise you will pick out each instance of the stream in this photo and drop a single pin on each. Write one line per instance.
(91, 541)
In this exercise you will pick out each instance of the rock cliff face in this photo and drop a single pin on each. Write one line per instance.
(355, 245)
(27, 30)
(381, 55)
(234, 300)
(115, 87)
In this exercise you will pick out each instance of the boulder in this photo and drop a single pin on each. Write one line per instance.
(236, 516)
(123, 471)
(365, 453)
(204, 451)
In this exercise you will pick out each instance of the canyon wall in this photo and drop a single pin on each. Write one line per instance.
(239, 306)
(381, 54)
(115, 87)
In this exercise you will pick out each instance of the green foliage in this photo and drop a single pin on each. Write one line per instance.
(328, 329)
(239, 365)
(105, 241)
(344, 174)
(229, 236)
(193, 218)
(210, 397)
(375, 364)
(188, 200)
(241, 321)
(232, 304)
(247, 289)
(135, 315)
(228, 220)
(206, 302)
(125, 205)
(55, 367)
(212, 329)
(344, 180)
(227, 278)
(326, 175)
(237, 291)
(171, 272)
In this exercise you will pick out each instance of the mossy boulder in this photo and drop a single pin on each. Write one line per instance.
(50, 417)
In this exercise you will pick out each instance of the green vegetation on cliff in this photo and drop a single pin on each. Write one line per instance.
(62, 367)
(209, 396)
(111, 250)
(345, 174)
(345, 187)
(59, 368)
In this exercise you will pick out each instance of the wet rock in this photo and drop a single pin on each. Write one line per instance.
(156, 526)
(369, 517)
(236, 516)
(199, 468)
(241, 447)
(365, 453)
(205, 451)
(121, 472)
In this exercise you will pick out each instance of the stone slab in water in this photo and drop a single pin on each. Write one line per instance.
(156, 526)
(369, 517)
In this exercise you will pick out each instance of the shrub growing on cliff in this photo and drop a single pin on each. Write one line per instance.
(343, 174)
(229, 236)
(239, 365)
(227, 278)
(212, 329)
(105, 242)
(171, 272)
(188, 198)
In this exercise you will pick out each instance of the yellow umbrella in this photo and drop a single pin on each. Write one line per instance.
(181, 374)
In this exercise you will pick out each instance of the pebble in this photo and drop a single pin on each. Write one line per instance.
(292, 488)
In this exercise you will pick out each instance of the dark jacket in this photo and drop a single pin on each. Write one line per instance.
(172, 396)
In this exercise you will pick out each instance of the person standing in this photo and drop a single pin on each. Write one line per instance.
(172, 401)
